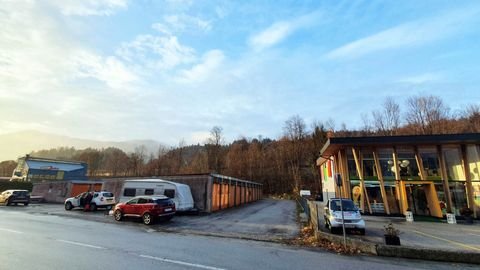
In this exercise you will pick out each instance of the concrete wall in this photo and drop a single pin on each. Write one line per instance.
(200, 186)
(58, 191)
(54, 192)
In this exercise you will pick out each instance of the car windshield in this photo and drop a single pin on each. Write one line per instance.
(347, 205)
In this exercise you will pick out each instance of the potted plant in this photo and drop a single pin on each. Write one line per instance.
(467, 214)
(392, 235)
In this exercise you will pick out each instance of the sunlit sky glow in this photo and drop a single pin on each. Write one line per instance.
(171, 70)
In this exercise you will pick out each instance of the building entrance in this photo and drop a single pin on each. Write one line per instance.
(421, 198)
(417, 200)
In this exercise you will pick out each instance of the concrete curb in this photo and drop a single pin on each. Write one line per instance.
(429, 254)
(404, 252)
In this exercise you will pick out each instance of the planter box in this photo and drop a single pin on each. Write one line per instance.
(392, 240)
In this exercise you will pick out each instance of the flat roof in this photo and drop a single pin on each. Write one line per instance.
(336, 143)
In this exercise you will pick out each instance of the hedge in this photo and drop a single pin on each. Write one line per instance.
(4, 185)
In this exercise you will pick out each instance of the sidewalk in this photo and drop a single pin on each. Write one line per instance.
(438, 241)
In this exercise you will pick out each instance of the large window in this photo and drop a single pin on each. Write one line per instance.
(453, 162)
(431, 163)
(368, 165)
(407, 164)
(385, 157)
(352, 169)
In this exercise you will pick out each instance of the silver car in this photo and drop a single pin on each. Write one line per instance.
(333, 216)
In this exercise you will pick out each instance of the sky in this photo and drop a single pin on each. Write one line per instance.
(171, 70)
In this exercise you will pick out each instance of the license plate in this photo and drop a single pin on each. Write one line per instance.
(167, 209)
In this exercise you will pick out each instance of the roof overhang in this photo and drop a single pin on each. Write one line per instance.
(333, 145)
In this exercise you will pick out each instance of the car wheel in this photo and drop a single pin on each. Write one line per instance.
(362, 231)
(93, 207)
(118, 215)
(26, 204)
(9, 202)
(68, 206)
(147, 219)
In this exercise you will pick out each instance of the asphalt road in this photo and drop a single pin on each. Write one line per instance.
(38, 241)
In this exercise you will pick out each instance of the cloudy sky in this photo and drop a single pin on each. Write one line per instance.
(171, 70)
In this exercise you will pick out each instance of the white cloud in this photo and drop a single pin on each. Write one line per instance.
(407, 35)
(156, 52)
(109, 70)
(279, 31)
(272, 35)
(211, 60)
(89, 7)
(176, 24)
(422, 78)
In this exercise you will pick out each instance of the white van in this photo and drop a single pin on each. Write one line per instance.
(179, 193)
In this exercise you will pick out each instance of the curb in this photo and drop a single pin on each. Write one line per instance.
(404, 252)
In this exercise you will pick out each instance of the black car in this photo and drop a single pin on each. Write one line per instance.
(15, 196)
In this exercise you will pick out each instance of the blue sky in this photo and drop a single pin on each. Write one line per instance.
(171, 70)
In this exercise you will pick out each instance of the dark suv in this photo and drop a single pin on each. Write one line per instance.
(148, 208)
(14, 196)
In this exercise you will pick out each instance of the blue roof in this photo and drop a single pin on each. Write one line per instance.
(51, 165)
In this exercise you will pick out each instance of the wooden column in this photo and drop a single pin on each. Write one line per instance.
(363, 194)
(341, 170)
(419, 160)
(400, 190)
(335, 171)
(380, 180)
(444, 175)
(346, 174)
(468, 178)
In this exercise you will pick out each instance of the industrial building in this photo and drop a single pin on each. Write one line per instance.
(429, 175)
(33, 169)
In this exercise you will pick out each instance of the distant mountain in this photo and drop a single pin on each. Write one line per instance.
(14, 145)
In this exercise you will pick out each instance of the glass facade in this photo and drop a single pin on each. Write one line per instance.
(422, 196)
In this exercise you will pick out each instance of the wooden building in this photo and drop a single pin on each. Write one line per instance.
(430, 175)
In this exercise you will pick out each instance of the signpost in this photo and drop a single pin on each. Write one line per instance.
(338, 180)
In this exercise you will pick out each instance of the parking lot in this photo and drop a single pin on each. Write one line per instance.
(438, 235)
(267, 219)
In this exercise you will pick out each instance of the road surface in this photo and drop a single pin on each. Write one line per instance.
(39, 241)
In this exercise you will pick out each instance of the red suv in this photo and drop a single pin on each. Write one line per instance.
(147, 207)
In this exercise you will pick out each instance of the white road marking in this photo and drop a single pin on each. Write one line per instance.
(182, 263)
(79, 244)
(12, 231)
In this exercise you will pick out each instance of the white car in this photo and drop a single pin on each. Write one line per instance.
(333, 216)
(100, 199)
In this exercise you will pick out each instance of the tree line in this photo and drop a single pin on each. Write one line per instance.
(282, 165)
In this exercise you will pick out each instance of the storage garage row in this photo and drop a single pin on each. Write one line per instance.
(211, 192)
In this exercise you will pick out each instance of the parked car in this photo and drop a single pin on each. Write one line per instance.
(100, 199)
(15, 196)
(149, 208)
(333, 216)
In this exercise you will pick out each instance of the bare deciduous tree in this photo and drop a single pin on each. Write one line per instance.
(426, 114)
(387, 120)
